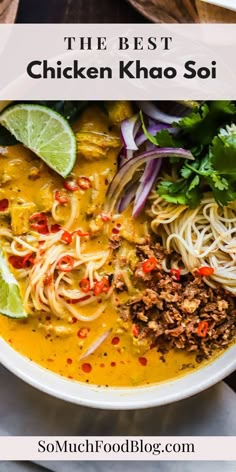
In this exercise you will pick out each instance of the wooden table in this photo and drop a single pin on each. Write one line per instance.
(78, 11)
(75, 11)
(120, 11)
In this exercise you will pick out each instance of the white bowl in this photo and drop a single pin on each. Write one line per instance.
(230, 4)
(117, 398)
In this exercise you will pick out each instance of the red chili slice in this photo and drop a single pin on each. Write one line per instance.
(84, 183)
(83, 333)
(85, 285)
(61, 197)
(81, 233)
(102, 286)
(115, 230)
(41, 229)
(115, 340)
(205, 271)
(40, 223)
(16, 261)
(105, 217)
(149, 265)
(39, 218)
(202, 329)
(48, 279)
(71, 185)
(28, 260)
(66, 263)
(176, 273)
(135, 330)
(74, 301)
(142, 361)
(55, 228)
(4, 203)
(66, 237)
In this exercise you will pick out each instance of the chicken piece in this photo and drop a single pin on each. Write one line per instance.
(44, 199)
(59, 330)
(34, 173)
(94, 145)
(141, 345)
(4, 179)
(93, 134)
(20, 215)
(96, 225)
(132, 237)
(119, 111)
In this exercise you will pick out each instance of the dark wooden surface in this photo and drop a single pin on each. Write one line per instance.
(171, 11)
(183, 11)
(120, 11)
(83, 11)
(77, 11)
(8, 10)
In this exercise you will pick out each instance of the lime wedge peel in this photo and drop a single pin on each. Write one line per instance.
(45, 132)
(10, 299)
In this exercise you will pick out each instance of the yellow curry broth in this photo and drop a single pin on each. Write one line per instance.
(112, 365)
(56, 343)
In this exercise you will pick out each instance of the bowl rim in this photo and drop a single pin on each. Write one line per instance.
(114, 398)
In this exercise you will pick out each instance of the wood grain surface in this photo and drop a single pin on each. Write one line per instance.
(120, 11)
(78, 11)
(8, 10)
(183, 11)
(171, 11)
(212, 14)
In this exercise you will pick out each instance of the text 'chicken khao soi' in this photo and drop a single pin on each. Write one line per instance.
(117, 236)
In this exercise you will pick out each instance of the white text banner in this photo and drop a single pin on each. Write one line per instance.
(113, 62)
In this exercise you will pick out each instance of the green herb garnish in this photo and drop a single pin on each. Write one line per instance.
(210, 134)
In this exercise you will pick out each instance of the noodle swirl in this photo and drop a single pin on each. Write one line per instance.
(205, 235)
(47, 288)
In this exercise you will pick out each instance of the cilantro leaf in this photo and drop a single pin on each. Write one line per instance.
(195, 182)
(219, 182)
(165, 139)
(181, 192)
(209, 132)
(201, 127)
(190, 122)
(223, 196)
(223, 151)
(148, 135)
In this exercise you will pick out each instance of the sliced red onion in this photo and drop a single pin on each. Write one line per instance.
(128, 196)
(96, 344)
(128, 131)
(153, 112)
(147, 181)
(149, 177)
(126, 157)
(127, 171)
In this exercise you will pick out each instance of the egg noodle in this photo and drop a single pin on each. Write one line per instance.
(203, 236)
(48, 287)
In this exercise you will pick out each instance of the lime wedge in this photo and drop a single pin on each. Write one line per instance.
(10, 300)
(45, 132)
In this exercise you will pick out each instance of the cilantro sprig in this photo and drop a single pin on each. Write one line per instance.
(210, 134)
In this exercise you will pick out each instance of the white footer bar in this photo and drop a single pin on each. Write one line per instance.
(130, 448)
